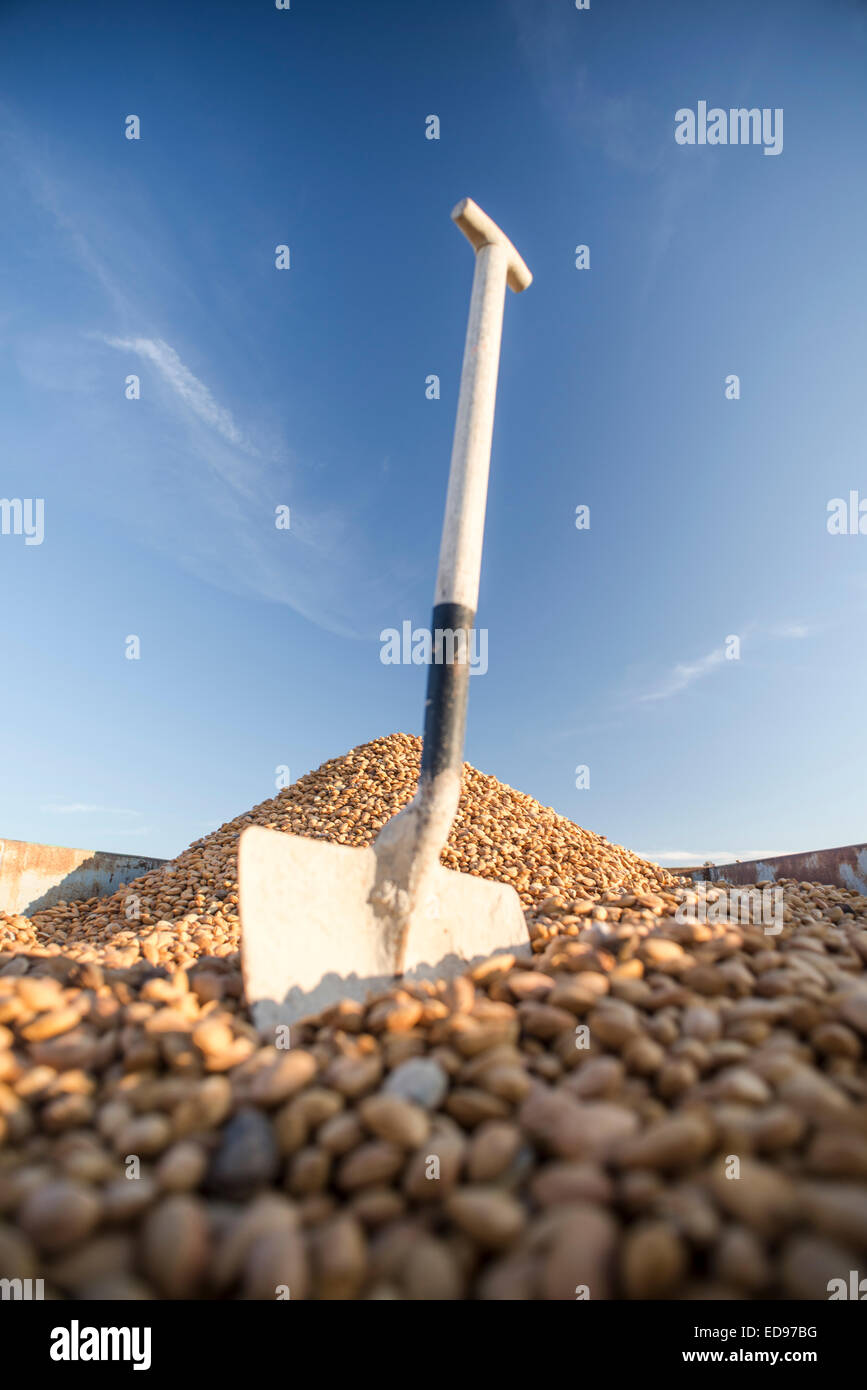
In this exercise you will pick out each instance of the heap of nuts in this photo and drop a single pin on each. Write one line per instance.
(650, 1105)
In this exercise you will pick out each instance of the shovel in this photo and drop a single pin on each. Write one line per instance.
(322, 922)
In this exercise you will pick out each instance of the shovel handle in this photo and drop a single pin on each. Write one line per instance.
(457, 588)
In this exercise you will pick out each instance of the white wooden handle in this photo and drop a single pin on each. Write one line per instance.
(497, 264)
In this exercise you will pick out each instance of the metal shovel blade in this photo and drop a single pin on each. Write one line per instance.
(311, 935)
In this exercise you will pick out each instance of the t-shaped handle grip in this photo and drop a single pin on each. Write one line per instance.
(481, 230)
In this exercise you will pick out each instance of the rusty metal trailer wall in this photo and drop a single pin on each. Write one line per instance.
(842, 868)
(33, 877)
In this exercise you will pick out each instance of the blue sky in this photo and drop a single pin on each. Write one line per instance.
(305, 387)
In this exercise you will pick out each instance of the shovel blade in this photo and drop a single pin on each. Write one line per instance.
(310, 935)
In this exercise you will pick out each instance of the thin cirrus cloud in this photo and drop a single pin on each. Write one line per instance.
(192, 392)
(790, 630)
(226, 476)
(686, 673)
(323, 569)
(324, 574)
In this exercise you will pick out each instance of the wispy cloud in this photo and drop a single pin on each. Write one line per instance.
(686, 673)
(790, 630)
(191, 391)
(190, 455)
(622, 124)
(84, 808)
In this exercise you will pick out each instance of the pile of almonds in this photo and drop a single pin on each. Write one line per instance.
(176, 913)
(648, 1106)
